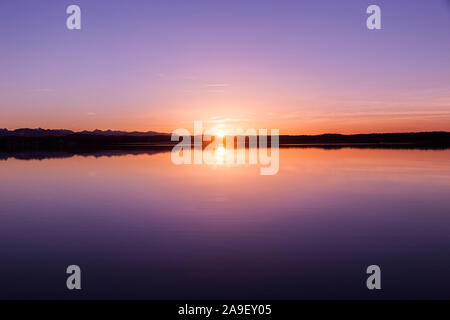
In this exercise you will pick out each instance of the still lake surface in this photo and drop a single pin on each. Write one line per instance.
(141, 227)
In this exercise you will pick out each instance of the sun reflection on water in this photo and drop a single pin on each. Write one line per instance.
(219, 155)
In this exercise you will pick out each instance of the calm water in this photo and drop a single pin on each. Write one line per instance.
(141, 227)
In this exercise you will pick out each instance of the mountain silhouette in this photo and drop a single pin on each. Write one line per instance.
(39, 132)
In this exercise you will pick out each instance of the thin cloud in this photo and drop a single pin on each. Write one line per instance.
(226, 120)
(43, 90)
(217, 85)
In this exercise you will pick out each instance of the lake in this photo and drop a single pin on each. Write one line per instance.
(141, 227)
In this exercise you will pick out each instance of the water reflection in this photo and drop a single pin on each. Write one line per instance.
(142, 227)
(219, 155)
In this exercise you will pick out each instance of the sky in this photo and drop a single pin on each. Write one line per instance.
(304, 67)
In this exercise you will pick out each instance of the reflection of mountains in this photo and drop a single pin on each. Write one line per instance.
(30, 155)
(68, 145)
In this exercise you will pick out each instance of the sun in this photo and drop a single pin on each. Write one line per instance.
(220, 134)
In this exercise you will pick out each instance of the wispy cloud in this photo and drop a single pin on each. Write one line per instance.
(405, 114)
(226, 120)
(428, 113)
(221, 85)
(43, 90)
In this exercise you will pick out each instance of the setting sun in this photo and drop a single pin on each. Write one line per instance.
(220, 133)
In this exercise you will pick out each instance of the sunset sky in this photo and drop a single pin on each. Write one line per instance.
(304, 67)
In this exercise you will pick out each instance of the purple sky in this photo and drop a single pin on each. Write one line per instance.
(301, 66)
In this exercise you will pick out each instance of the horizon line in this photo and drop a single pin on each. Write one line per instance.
(167, 133)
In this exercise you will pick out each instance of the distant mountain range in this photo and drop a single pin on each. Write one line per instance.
(25, 132)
